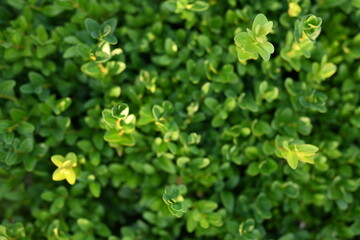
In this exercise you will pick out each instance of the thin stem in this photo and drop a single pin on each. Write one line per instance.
(11, 128)
(10, 98)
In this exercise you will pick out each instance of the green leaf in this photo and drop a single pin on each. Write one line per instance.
(8, 138)
(157, 112)
(17, 114)
(114, 136)
(146, 115)
(263, 53)
(95, 158)
(72, 157)
(84, 224)
(327, 70)
(172, 147)
(112, 22)
(52, 11)
(48, 196)
(166, 165)
(106, 29)
(171, 194)
(7, 87)
(211, 103)
(258, 22)
(93, 28)
(83, 50)
(57, 205)
(62, 105)
(18, 4)
(268, 47)
(241, 39)
(64, 4)
(204, 223)
(27, 88)
(198, 6)
(176, 206)
(247, 102)
(108, 118)
(206, 206)
(170, 46)
(260, 128)
(26, 145)
(30, 163)
(36, 78)
(95, 189)
(25, 127)
(268, 166)
(228, 200)
(292, 159)
(291, 189)
(253, 169)
(115, 67)
(266, 28)
(306, 148)
(85, 145)
(200, 162)
(91, 69)
(120, 111)
(10, 158)
(101, 57)
(191, 224)
(111, 39)
(247, 226)
(128, 123)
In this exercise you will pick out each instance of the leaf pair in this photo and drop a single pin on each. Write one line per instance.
(305, 33)
(191, 5)
(323, 70)
(120, 125)
(254, 42)
(309, 25)
(174, 201)
(65, 168)
(102, 32)
(295, 151)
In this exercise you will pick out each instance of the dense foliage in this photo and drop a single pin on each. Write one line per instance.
(179, 119)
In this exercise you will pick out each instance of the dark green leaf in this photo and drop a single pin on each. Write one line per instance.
(93, 28)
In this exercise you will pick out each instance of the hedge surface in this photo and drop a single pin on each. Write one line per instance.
(179, 119)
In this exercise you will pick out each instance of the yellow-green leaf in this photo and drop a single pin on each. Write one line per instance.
(71, 156)
(70, 176)
(58, 160)
(58, 175)
(292, 160)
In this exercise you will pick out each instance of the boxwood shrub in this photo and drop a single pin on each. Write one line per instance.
(179, 119)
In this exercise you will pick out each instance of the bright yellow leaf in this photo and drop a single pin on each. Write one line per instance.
(58, 175)
(58, 160)
(70, 176)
